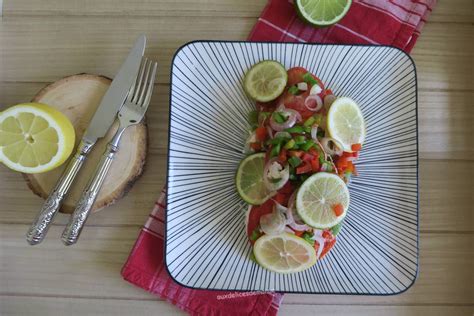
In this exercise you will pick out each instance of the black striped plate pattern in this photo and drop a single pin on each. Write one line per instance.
(206, 245)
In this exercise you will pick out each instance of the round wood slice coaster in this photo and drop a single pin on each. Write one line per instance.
(78, 97)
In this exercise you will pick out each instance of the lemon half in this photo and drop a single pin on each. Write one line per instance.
(34, 138)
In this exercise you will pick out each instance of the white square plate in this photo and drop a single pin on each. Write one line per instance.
(206, 244)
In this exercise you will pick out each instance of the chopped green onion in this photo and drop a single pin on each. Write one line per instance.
(295, 129)
(307, 236)
(254, 235)
(308, 78)
(307, 129)
(336, 229)
(294, 161)
(306, 146)
(318, 118)
(279, 118)
(275, 150)
(292, 177)
(289, 144)
(293, 90)
(300, 139)
(321, 159)
(309, 121)
(276, 140)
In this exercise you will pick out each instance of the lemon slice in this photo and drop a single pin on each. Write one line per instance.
(34, 138)
(284, 253)
(249, 180)
(317, 197)
(345, 123)
(265, 81)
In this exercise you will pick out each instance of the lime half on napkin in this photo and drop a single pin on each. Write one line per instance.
(322, 12)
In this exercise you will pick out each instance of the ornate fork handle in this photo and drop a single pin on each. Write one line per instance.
(43, 220)
(89, 195)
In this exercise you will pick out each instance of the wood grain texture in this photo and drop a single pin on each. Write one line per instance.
(42, 41)
(15, 306)
(91, 268)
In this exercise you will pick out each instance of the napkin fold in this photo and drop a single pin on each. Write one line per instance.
(381, 22)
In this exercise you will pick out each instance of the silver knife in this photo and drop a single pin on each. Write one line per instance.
(103, 118)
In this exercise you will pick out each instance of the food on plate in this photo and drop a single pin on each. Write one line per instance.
(301, 151)
(34, 138)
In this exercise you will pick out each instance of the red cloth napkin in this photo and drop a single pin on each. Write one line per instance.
(145, 268)
(384, 22)
(393, 22)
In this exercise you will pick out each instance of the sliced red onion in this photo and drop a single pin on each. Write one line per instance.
(322, 149)
(282, 174)
(329, 100)
(269, 131)
(273, 223)
(313, 102)
(291, 118)
(318, 237)
(316, 89)
(314, 132)
(336, 149)
(303, 86)
(293, 219)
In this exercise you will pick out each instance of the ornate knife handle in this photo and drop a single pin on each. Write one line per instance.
(89, 195)
(43, 220)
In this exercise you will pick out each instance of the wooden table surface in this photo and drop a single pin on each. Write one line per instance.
(42, 41)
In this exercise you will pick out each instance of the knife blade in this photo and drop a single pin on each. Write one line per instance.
(102, 120)
(116, 94)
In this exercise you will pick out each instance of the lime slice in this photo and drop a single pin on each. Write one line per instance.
(317, 197)
(284, 253)
(322, 12)
(249, 180)
(34, 138)
(265, 81)
(345, 123)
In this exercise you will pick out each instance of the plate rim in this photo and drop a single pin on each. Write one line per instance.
(170, 107)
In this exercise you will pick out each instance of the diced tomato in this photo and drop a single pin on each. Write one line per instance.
(315, 165)
(255, 213)
(350, 167)
(299, 233)
(307, 157)
(296, 102)
(313, 151)
(295, 153)
(304, 168)
(329, 241)
(356, 147)
(338, 209)
(256, 146)
(287, 188)
(282, 155)
(355, 154)
(295, 75)
(261, 133)
(342, 163)
(328, 91)
(281, 198)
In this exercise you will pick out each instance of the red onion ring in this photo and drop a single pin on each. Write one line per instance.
(292, 218)
(327, 148)
(285, 175)
(269, 131)
(290, 121)
(329, 100)
(318, 237)
(313, 102)
(314, 133)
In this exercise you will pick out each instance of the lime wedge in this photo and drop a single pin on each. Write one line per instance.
(265, 81)
(345, 123)
(249, 180)
(284, 253)
(317, 197)
(322, 12)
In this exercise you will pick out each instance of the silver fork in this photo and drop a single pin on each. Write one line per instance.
(131, 113)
